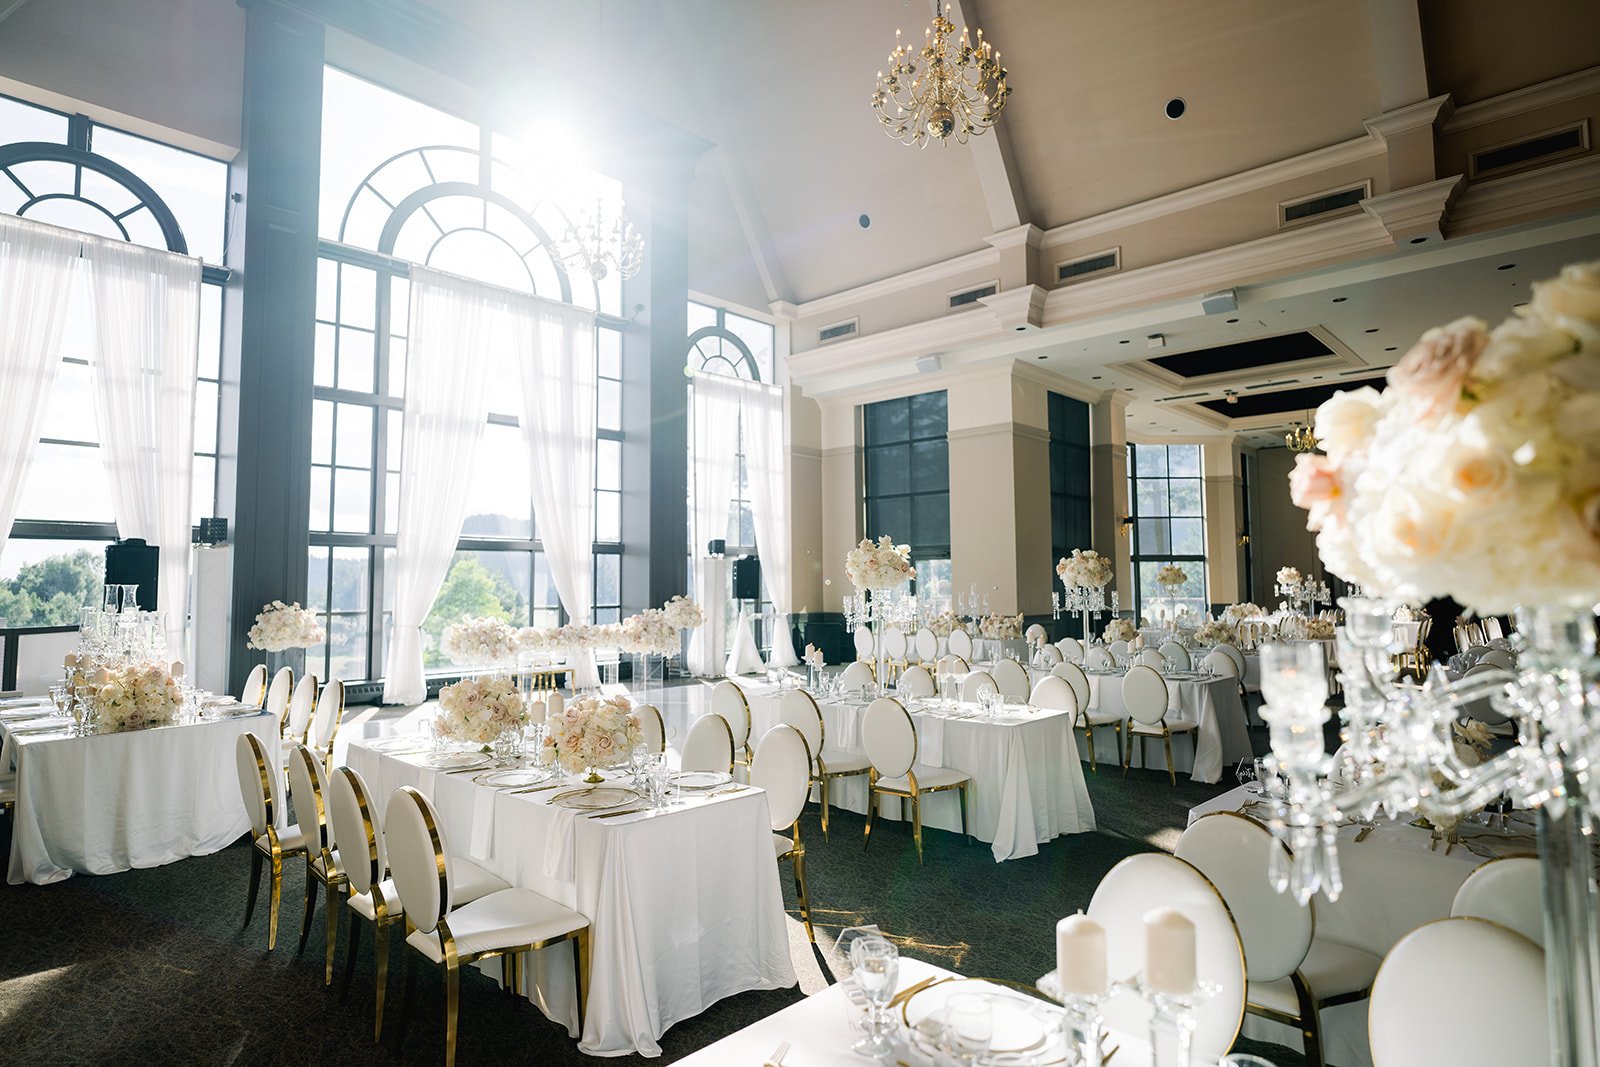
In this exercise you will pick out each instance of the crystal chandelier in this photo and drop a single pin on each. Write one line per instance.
(944, 89)
(1300, 438)
(598, 243)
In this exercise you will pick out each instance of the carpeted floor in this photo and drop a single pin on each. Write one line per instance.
(151, 966)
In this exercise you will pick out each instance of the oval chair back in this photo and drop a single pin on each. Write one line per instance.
(1149, 657)
(927, 645)
(709, 746)
(728, 701)
(305, 797)
(356, 828)
(301, 703)
(894, 643)
(1036, 636)
(1125, 895)
(1233, 653)
(1144, 694)
(1234, 852)
(278, 695)
(889, 737)
(1050, 655)
(1071, 649)
(1483, 709)
(255, 782)
(255, 686)
(1506, 891)
(1077, 679)
(973, 683)
(782, 767)
(1098, 658)
(1012, 679)
(1119, 651)
(1220, 663)
(1177, 653)
(953, 665)
(651, 727)
(959, 643)
(863, 640)
(857, 674)
(325, 722)
(915, 681)
(798, 710)
(1437, 968)
(417, 859)
(1054, 693)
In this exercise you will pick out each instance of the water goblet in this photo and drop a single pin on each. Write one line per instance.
(875, 964)
(968, 1027)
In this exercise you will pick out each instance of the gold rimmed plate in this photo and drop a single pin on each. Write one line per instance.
(513, 779)
(699, 780)
(457, 761)
(595, 798)
(405, 743)
(1023, 1023)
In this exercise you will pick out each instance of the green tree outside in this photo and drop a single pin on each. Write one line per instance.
(52, 591)
(469, 589)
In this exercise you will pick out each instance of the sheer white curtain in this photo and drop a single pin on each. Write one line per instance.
(555, 348)
(454, 325)
(147, 317)
(38, 268)
(766, 463)
(716, 443)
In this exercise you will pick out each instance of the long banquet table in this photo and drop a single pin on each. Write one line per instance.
(1026, 786)
(684, 908)
(1212, 702)
(109, 802)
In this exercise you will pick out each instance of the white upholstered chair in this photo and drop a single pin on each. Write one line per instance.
(1036, 636)
(1119, 651)
(1144, 694)
(916, 682)
(1220, 663)
(1292, 976)
(366, 866)
(270, 843)
(1012, 678)
(894, 651)
(1135, 887)
(1050, 655)
(728, 701)
(1098, 658)
(1233, 653)
(278, 694)
(1084, 717)
(891, 741)
(1149, 657)
(857, 675)
(960, 644)
(651, 727)
(782, 767)
(974, 683)
(798, 709)
(506, 923)
(863, 642)
(1177, 654)
(709, 746)
(325, 722)
(255, 686)
(1506, 891)
(1436, 969)
(302, 702)
(1071, 649)
(308, 797)
(927, 644)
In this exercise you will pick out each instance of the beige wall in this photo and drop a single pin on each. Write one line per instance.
(805, 500)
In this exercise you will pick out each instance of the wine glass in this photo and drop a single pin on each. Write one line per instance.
(968, 1027)
(876, 968)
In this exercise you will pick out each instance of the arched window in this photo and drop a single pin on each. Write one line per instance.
(714, 350)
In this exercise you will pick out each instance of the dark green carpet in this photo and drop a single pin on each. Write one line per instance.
(151, 966)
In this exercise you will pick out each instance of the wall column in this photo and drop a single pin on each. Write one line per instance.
(1108, 475)
(1220, 470)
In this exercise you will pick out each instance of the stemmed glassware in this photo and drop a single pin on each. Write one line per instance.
(875, 964)
(968, 1029)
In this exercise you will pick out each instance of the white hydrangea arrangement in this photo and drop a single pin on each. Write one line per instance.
(592, 732)
(478, 710)
(1213, 632)
(532, 643)
(944, 624)
(480, 641)
(1234, 614)
(1085, 567)
(1171, 575)
(1288, 576)
(281, 626)
(650, 633)
(879, 566)
(136, 695)
(1120, 629)
(1299, 628)
(683, 613)
(1000, 627)
(1476, 473)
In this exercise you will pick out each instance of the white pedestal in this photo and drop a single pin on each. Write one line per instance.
(709, 640)
(211, 620)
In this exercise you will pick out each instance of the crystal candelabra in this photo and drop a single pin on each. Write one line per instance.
(1305, 594)
(1085, 600)
(973, 606)
(877, 609)
(1401, 756)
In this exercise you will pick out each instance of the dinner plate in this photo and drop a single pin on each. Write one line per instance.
(700, 779)
(230, 711)
(512, 779)
(1023, 1024)
(595, 798)
(458, 761)
(403, 743)
(33, 711)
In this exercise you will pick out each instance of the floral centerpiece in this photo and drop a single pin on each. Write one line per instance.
(136, 695)
(1288, 576)
(592, 732)
(1405, 613)
(1085, 567)
(1171, 575)
(1213, 632)
(879, 566)
(480, 641)
(944, 623)
(1120, 629)
(280, 627)
(1234, 614)
(1000, 627)
(532, 643)
(1300, 628)
(683, 613)
(479, 710)
(649, 633)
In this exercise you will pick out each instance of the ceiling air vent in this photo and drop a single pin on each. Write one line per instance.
(1319, 205)
(1174, 399)
(1540, 148)
(965, 298)
(837, 331)
(1099, 263)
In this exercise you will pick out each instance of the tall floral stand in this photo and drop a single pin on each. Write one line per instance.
(293, 658)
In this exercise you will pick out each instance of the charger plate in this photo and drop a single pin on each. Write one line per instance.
(595, 798)
(1023, 1024)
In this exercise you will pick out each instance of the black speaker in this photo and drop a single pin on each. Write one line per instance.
(132, 562)
(747, 578)
(716, 548)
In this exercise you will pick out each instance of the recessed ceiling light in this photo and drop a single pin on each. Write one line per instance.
(1123, 341)
(864, 221)
(1094, 377)
(1340, 299)
(1505, 266)
(1392, 348)
(1232, 321)
(1372, 329)
(1127, 390)
(1044, 357)
(1418, 240)
(1175, 108)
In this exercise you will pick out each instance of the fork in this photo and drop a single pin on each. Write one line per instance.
(776, 1059)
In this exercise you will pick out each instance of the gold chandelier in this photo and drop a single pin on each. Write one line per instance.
(944, 89)
(1300, 438)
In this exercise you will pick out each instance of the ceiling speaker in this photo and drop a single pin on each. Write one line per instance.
(1218, 303)
(929, 364)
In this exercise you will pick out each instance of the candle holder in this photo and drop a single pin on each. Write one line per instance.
(1085, 1020)
(1170, 1014)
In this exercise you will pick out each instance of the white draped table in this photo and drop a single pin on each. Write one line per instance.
(1026, 787)
(114, 801)
(684, 909)
(1222, 739)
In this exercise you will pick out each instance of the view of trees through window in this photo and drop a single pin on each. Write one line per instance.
(1167, 497)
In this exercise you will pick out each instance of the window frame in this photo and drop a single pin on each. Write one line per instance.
(1136, 555)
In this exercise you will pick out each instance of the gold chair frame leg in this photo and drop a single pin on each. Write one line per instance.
(257, 859)
(1088, 733)
(872, 811)
(824, 793)
(274, 895)
(581, 949)
(1166, 738)
(311, 907)
(331, 906)
(916, 823)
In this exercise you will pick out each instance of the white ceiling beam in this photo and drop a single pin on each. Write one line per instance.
(992, 156)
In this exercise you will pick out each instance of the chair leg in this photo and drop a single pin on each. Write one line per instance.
(1088, 733)
(1171, 774)
(872, 811)
(1127, 755)
(350, 952)
(916, 822)
(275, 897)
(311, 907)
(824, 807)
(331, 906)
(965, 800)
(580, 976)
(406, 996)
(800, 893)
(1116, 730)
(452, 1008)
(380, 948)
(256, 860)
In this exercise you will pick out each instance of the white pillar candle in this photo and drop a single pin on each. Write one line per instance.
(556, 705)
(1169, 958)
(536, 711)
(1081, 956)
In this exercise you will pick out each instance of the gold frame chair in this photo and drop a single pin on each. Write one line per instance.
(1143, 731)
(268, 846)
(822, 776)
(328, 874)
(338, 721)
(383, 917)
(913, 793)
(797, 854)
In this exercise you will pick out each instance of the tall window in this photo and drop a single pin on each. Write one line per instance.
(906, 457)
(68, 171)
(1069, 476)
(404, 183)
(1167, 504)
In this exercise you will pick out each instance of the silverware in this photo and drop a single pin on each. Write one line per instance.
(776, 1059)
(538, 788)
(615, 814)
(911, 990)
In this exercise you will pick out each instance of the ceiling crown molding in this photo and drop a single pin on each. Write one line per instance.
(1411, 117)
(1560, 187)
(1027, 233)
(1519, 101)
(1019, 308)
(1416, 212)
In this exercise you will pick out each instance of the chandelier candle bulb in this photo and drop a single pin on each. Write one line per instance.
(1080, 956)
(1169, 952)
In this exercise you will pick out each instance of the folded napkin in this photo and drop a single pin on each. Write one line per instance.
(482, 843)
(930, 740)
(558, 844)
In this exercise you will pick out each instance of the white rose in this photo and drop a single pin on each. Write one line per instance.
(1571, 302)
(1520, 344)
(1346, 420)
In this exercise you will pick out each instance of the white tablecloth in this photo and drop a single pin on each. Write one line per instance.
(684, 909)
(1026, 787)
(139, 798)
(1393, 883)
(745, 655)
(1222, 739)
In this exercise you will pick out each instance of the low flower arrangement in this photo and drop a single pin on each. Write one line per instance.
(650, 633)
(879, 566)
(1120, 630)
(1298, 628)
(1212, 632)
(592, 732)
(683, 613)
(1000, 627)
(532, 643)
(1234, 614)
(1085, 567)
(476, 711)
(1288, 576)
(480, 641)
(1171, 575)
(137, 695)
(281, 626)
(944, 624)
